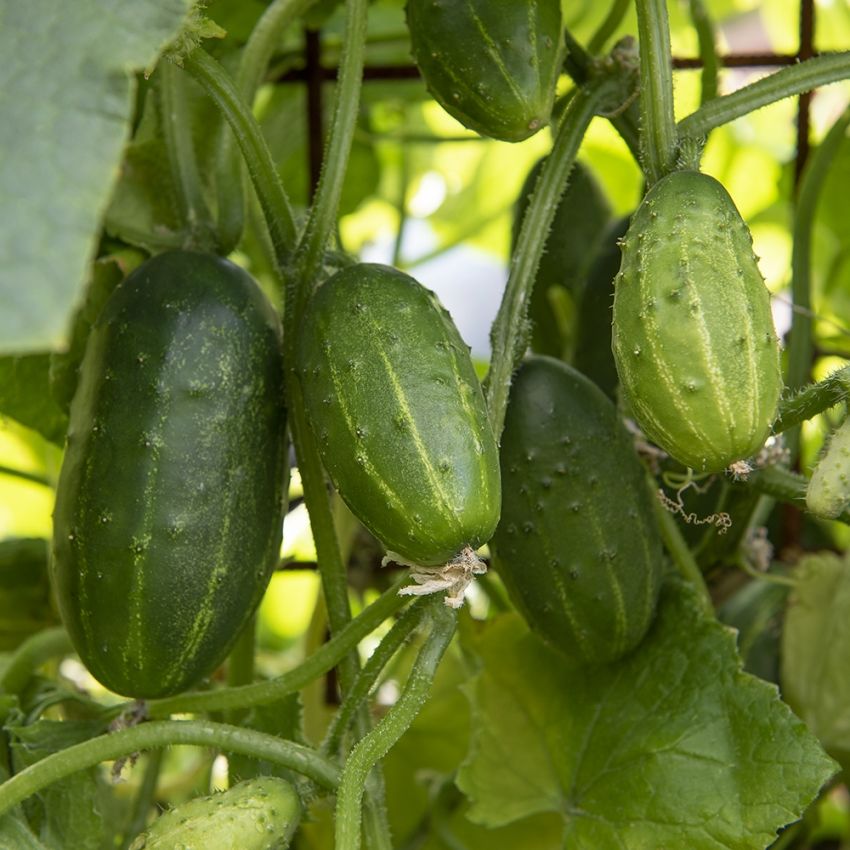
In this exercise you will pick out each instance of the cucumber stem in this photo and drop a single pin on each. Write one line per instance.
(508, 335)
(30, 655)
(163, 733)
(372, 748)
(787, 82)
(265, 693)
(659, 138)
(812, 400)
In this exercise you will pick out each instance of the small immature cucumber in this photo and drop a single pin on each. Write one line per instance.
(828, 493)
(491, 64)
(169, 506)
(694, 342)
(258, 814)
(399, 415)
(577, 545)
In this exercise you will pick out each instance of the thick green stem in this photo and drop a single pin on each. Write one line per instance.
(276, 207)
(787, 82)
(30, 655)
(680, 553)
(608, 26)
(785, 486)
(256, 55)
(800, 348)
(264, 693)
(395, 723)
(812, 400)
(707, 49)
(659, 143)
(180, 147)
(163, 733)
(322, 219)
(509, 333)
(391, 643)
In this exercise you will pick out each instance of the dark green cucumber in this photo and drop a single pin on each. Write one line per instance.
(168, 511)
(399, 415)
(577, 232)
(491, 64)
(694, 342)
(258, 814)
(592, 354)
(577, 545)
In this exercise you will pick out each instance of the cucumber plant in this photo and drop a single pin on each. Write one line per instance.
(183, 320)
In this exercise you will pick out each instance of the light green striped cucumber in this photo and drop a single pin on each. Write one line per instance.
(828, 493)
(577, 544)
(258, 814)
(399, 415)
(169, 506)
(694, 341)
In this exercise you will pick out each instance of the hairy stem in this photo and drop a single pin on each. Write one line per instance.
(787, 82)
(391, 643)
(508, 335)
(273, 200)
(659, 142)
(812, 400)
(163, 733)
(707, 49)
(264, 693)
(395, 723)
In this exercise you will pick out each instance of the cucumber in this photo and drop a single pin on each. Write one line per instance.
(392, 396)
(828, 493)
(694, 342)
(577, 545)
(491, 64)
(592, 354)
(168, 511)
(577, 232)
(258, 814)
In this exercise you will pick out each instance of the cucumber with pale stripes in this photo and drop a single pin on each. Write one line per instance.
(577, 545)
(398, 413)
(169, 505)
(694, 342)
(491, 64)
(828, 493)
(257, 814)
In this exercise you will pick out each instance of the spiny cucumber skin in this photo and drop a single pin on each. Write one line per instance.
(169, 506)
(398, 413)
(696, 350)
(577, 545)
(491, 64)
(257, 814)
(828, 493)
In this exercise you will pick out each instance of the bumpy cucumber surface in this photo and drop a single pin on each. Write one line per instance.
(581, 218)
(168, 510)
(491, 64)
(577, 545)
(399, 415)
(694, 341)
(258, 814)
(828, 493)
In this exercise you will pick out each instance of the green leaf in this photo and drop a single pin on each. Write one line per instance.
(673, 746)
(816, 650)
(67, 813)
(16, 835)
(25, 394)
(64, 116)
